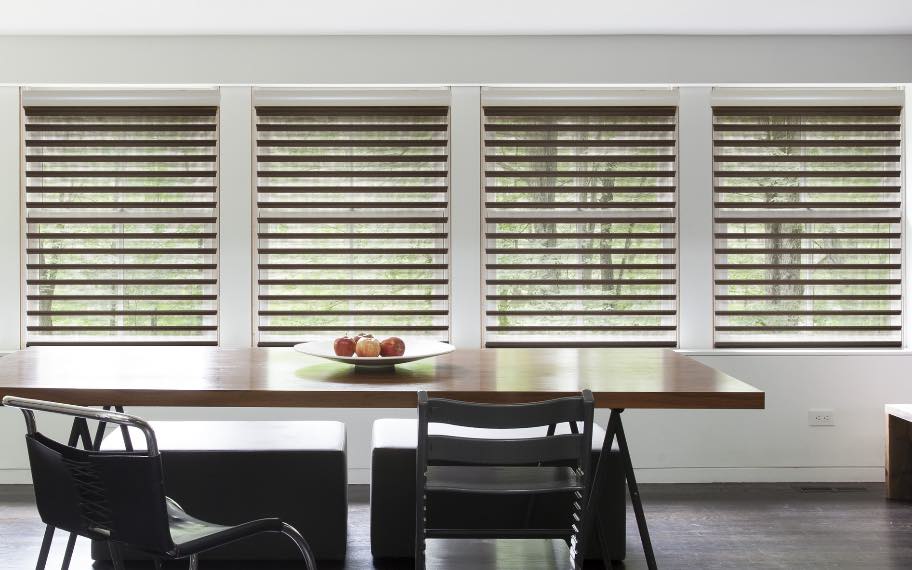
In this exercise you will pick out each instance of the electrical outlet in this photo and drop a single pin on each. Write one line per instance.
(821, 418)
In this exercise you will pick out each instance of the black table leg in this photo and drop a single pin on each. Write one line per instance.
(616, 428)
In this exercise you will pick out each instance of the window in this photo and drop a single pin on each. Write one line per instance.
(121, 210)
(580, 226)
(807, 226)
(352, 230)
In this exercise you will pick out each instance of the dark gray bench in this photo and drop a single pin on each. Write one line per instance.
(393, 494)
(233, 471)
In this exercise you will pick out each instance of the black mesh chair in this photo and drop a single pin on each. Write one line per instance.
(119, 497)
(529, 466)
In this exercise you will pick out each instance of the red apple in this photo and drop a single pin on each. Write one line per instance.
(344, 346)
(393, 346)
(368, 346)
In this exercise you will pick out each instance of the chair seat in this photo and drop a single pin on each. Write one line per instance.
(502, 480)
(192, 535)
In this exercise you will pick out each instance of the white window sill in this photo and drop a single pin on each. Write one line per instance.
(794, 351)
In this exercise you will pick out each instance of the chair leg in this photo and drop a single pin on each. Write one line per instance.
(45, 548)
(292, 533)
(194, 562)
(68, 553)
(116, 556)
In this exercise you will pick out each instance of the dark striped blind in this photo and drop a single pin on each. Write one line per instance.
(580, 226)
(808, 234)
(352, 230)
(121, 218)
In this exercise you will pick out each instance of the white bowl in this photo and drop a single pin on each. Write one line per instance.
(414, 350)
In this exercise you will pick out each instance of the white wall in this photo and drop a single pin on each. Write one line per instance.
(771, 445)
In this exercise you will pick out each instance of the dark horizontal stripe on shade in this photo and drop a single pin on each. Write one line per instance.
(98, 328)
(521, 313)
(119, 236)
(872, 312)
(352, 173)
(121, 111)
(346, 204)
(346, 296)
(808, 158)
(840, 297)
(577, 128)
(350, 250)
(805, 205)
(120, 173)
(563, 110)
(352, 220)
(800, 250)
(808, 220)
(123, 266)
(805, 189)
(352, 281)
(582, 158)
(579, 189)
(580, 281)
(148, 312)
(349, 236)
(124, 342)
(810, 282)
(598, 205)
(758, 328)
(812, 344)
(605, 297)
(124, 205)
(292, 328)
(563, 143)
(582, 344)
(575, 266)
(115, 297)
(119, 127)
(806, 173)
(129, 143)
(120, 158)
(359, 110)
(605, 328)
(580, 174)
(809, 143)
(857, 127)
(349, 189)
(822, 267)
(75, 189)
(580, 235)
(810, 235)
(429, 312)
(808, 110)
(351, 143)
(126, 282)
(582, 220)
(119, 220)
(347, 128)
(120, 250)
(350, 158)
(357, 266)
(575, 250)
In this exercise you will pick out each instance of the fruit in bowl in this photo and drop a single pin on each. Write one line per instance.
(344, 346)
(392, 346)
(368, 347)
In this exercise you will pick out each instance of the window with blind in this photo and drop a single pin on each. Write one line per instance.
(352, 230)
(121, 210)
(580, 226)
(808, 234)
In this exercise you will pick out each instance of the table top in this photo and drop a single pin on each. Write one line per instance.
(281, 377)
(902, 411)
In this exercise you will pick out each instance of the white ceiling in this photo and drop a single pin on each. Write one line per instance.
(455, 17)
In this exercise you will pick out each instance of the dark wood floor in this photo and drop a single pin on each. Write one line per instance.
(725, 526)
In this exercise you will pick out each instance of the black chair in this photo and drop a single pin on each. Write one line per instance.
(517, 467)
(119, 497)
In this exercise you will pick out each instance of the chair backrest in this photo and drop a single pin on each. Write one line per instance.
(574, 447)
(116, 496)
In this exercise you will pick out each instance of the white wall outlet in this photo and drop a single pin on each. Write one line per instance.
(821, 418)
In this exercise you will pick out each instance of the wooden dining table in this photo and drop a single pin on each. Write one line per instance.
(619, 378)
